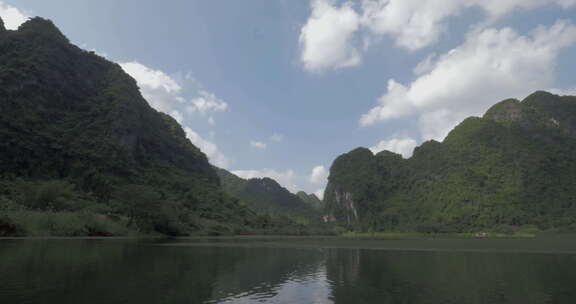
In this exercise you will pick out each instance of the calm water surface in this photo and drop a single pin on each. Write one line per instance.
(287, 271)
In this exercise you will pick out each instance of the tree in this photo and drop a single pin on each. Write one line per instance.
(141, 204)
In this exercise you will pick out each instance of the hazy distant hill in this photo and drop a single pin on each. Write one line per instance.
(265, 195)
(515, 166)
(310, 199)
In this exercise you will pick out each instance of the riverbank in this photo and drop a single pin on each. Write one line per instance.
(416, 235)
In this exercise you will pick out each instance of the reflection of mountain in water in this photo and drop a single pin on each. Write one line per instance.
(374, 276)
(119, 271)
(112, 271)
(275, 275)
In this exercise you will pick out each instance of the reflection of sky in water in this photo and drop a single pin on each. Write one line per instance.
(311, 287)
(117, 271)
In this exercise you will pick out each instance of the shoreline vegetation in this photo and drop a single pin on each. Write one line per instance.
(110, 165)
(545, 243)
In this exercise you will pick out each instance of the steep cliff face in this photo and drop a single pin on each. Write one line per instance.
(358, 181)
(69, 114)
(514, 166)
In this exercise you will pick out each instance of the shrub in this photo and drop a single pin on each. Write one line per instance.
(504, 228)
(9, 228)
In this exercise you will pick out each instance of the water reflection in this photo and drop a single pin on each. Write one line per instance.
(120, 271)
(310, 286)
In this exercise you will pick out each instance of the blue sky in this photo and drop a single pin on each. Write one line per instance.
(281, 88)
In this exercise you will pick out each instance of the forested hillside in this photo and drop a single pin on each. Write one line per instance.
(82, 152)
(514, 167)
(286, 212)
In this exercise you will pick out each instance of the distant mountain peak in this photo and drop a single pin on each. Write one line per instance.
(505, 111)
(539, 111)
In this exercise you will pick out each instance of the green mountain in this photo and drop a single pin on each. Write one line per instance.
(311, 199)
(77, 136)
(279, 211)
(266, 196)
(513, 167)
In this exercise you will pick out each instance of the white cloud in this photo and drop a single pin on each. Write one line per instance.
(257, 144)
(207, 102)
(490, 66)
(277, 137)
(320, 193)
(425, 65)
(209, 148)
(164, 93)
(330, 37)
(326, 39)
(415, 24)
(404, 146)
(318, 176)
(178, 116)
(284, 178)
(412, 23)
(571, 92)
(12, 16)
(160, 90)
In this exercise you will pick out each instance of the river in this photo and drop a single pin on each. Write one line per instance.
(287, 270)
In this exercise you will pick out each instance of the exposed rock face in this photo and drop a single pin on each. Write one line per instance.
(509, 110)
(351, 187)
(514, 166)
(344, 201)
(540, 110)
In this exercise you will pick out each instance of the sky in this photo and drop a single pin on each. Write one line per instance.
(280, 88)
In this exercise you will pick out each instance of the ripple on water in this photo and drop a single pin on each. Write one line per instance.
(309, 285)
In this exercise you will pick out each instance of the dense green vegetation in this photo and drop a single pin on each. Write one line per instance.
(284, 211)
(311, 199)
(513, 169)
(82, 153)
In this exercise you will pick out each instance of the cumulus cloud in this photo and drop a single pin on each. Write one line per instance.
(160, 90)
(330, 36)
(412, 23)
(284, 178)
(12, 16)
(165, 94)
(257, 144)
(320, 193)
(491, 65)
(415, 24)
(326, 39)
(318, 176)
(404, 146)
(209, 148)
(207, 102)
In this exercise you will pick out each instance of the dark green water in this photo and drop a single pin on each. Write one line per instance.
(286, 271)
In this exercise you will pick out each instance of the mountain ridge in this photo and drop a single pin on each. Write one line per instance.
(76, 132)
(511, 167)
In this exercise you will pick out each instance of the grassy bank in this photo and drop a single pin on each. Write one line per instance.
(41, 224)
